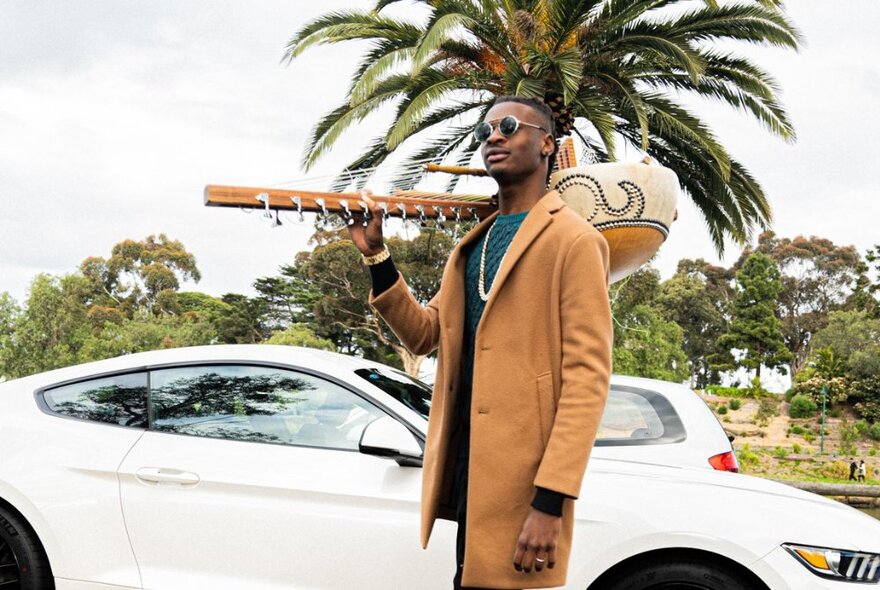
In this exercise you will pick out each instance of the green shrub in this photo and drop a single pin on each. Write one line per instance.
(870, 408)
(862, 427)
(796, 449)
(780, 452)
(835, 470)
(837, 389)
(835, 413)
(802, 407)
(848, 434)
(747, 458)
(874, 431)
(722, 410)
(809, 437)
(755, 389)
(735, 404)
(798, 430)
(789, 393)
(722, 391)
(872, 452)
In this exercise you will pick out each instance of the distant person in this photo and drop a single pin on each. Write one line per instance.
(852, 469)
(863, 470)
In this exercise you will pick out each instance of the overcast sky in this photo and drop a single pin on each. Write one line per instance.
(114, 115)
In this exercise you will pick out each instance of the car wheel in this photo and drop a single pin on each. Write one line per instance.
(23, 562)
(691, 575)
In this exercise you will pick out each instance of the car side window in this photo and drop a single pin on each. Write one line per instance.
(635, 416)
(120, 400)
(259, 404)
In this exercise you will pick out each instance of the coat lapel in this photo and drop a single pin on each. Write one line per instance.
(538, 218)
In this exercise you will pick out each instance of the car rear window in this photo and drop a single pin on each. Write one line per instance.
(636, 416)
(120, 400)
(409, 391)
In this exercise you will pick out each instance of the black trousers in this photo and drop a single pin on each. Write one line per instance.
(459, 484)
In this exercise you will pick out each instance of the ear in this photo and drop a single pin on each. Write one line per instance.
(549, 146)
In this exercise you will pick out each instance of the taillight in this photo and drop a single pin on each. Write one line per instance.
(724, 462)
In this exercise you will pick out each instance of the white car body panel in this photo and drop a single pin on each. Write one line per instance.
(80, 516)
(287, 512)
(334, 519)
(650, 508)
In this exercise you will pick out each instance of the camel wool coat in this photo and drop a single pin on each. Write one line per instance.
(542, 365)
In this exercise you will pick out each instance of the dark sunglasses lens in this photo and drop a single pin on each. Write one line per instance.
(508, 126)
(483, 131)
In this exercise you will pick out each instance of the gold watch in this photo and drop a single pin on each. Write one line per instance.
(377, 258)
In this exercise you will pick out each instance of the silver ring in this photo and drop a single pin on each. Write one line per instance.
(540, 560)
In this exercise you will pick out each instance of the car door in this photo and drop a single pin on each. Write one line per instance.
(250, 477)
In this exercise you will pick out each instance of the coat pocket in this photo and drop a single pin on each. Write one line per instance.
(546, 405)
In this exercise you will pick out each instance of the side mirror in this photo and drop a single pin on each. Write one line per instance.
(386, 437)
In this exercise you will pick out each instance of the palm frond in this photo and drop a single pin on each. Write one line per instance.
(619, 13)
(769, 112)
(631, 102)
(645, 40)
(416, 104)
(331, 126)
(735, 22)
(526, 86)
(440, 31)
(598, 111)
(375, 154)
(565, 16)
(365, 82)
(671, 120)
(345, 26)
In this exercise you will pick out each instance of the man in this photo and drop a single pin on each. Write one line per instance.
(523, 327)
(852, 469)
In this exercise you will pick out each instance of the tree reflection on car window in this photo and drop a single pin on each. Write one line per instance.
(258, 404)
(120, 400)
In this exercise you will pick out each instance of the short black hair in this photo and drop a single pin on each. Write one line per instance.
(536, 104)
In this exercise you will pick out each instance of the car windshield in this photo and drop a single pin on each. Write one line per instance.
(409, 391)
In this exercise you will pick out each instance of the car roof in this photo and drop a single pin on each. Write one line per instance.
(319, 360)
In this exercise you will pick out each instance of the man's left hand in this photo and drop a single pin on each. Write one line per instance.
(536, 545)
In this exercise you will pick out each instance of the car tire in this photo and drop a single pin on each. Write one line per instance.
(23, 562)
(683, 575)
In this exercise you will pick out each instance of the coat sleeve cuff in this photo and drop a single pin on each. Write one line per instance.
(383, 276)
(548, 501)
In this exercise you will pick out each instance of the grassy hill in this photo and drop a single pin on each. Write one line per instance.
(769, 443)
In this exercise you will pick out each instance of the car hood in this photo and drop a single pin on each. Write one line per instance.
(717, 501)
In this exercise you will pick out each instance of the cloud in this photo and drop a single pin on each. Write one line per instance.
(115, 115)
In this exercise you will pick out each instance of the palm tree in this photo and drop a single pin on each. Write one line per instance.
(618, 69)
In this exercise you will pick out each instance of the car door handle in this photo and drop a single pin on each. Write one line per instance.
(162, 475)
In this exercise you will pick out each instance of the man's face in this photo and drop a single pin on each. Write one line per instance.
(520, 155)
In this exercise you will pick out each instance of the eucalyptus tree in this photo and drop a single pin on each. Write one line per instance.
(621, 71)
(817, 277)
(754, 331)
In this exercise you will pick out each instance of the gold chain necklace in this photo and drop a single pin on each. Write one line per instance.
(482, 282)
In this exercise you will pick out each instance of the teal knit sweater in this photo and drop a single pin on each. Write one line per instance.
(503, 231)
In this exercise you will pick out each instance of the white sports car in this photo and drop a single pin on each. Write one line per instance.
(266, 467)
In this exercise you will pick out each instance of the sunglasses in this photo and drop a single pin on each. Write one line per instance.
(506, 125)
